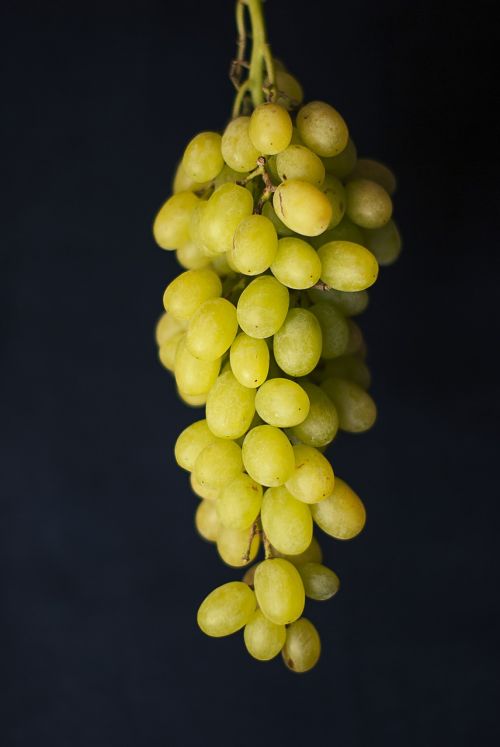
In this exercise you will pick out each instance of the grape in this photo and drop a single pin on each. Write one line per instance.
(341, 515)
(346, 230)
(195, 234)
(368, 204)
(298, 162)
(347, 266)
(226, 208)
(168, 350)
(185, 294)
(202, 158)
(375, 172)
(297, 344)
(226, 609)
(334, 330)
(229, 176)
(230, 407)
(320, 583)
(238, 150)
(280, 227)
(238, 504)
(343, 164)
(321, 425)
(350, 367)
(184, 183)
(322, 128)
(263, 638)
(191, 257)
(350, 303)
(192, 400)
(384, 243)
(206, 521)
(268, 455)
(171, 225)
(193, 376)
(218, 464)
(249, 358)
(212, 329)
(302, 647)
(356, 343)
(279, 591)
(312, 554)
(191, 442)
(254, 246)
(167, 327)
(282, 403)
(296, 263)
(335, 192)
(202, 491)
(220, 265)
(312, 479)
(302, 207)
(286, 521)
(262, 307)
(237, 547)
(356, 409)
(270, 128)
(290, 92)
(248, 576)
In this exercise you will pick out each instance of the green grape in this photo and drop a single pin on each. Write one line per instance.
(168, 351)
(298, 162)
(346, 230)
(350, 367)
(212, 329)
(238, 150)
(202, 159)
(356, 343)
(312, 480)
(191, 257)
(296, 263)
(375, 171)
(226, 208)
(322, 128)
(368, 204)
(183, 183)
(341, 515)
(384, 243)
(191, 442)
(238, 504)
(236, 547)
(280, 227)
(282, 403)
(249, 357)
(286, 521)
(192, 376)
(302, 207)
(192, 400)
(218, 464)
(334, 329)
(335, 192)
(350, 303)
(279, 591)
(202, 491)
(262, 307)
(347, 266)
(206, 521)
(220, 265)
(343, 164)
(297, 344)
(254, 246)
(321, 425)
(195, 235)
(313, 554)
(268, 455)
(290, 93)
(171, 225)
(226, 609)
(356, 409)
(320, 583)
(302, 647)
(270, 128)
(248, 576)
(263, 638)
(166, 327)
(185, 294)
(230, 407)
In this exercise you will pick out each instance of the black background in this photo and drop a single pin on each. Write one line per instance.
(101, 570)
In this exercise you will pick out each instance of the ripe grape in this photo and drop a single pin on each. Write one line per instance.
(270, 128)
(268, 455)
(286, 521)
(322, 128)
(226, 609)
(238, 150)
(202, 159)
(255, 244)
(263, 638)
(302, 207)
(262, 307)
(296, 264)
(278, 575)
(282, 402)
(341, 515)
(302, 647)
(239, 502)
(249, 358)
(298, 342)
(347, 266)
(312, 480)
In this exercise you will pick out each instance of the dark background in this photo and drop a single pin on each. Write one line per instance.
(101, 571)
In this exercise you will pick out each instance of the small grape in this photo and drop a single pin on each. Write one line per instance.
(298, 342)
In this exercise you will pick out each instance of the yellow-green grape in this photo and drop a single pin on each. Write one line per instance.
(238, 150)
(296, 139)
(279, 591)
(346, 230)
(212, 329)
(368, 204)
(226, 609)
(218, 464)
(313, 554)
(312, 480)
(192, 400)
(249, 357)
(270, 128)
(248, 576)
(334, 329)
(268, 455)
(302, 207)
(320, 583)
(262, 307)
(195, 227)
(254, 245)
(343, 164)
(356, 343)
(297, 344)
(356, 409)
(220, 265)
(322, 128)
(347, 266)
(296, 263)
(350, 367)
(192, 376)
(263, 638)
(166, 327)
(168, 351)
(202, 159)
(290, 93)
(171, 225)
(189, 290)
(202, 491)
(335, 192)
(384, 243)
(341, 515)
(183, 183)
(282, 402)
(230, 407)
(286, 521)
(298, 162)
(321, 425)
(302, 647)
(226, 208)
(206, 520)
(238, 504)
(236, 547)
(191, 257)
(191, 442)
(349, 303)
(280, 227)
(366, 168)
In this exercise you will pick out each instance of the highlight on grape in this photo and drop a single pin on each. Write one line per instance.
(280, 230)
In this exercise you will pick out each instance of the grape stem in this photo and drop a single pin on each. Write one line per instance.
(320, 285)
(261, 60)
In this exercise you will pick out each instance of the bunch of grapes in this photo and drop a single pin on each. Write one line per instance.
(280, 229)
